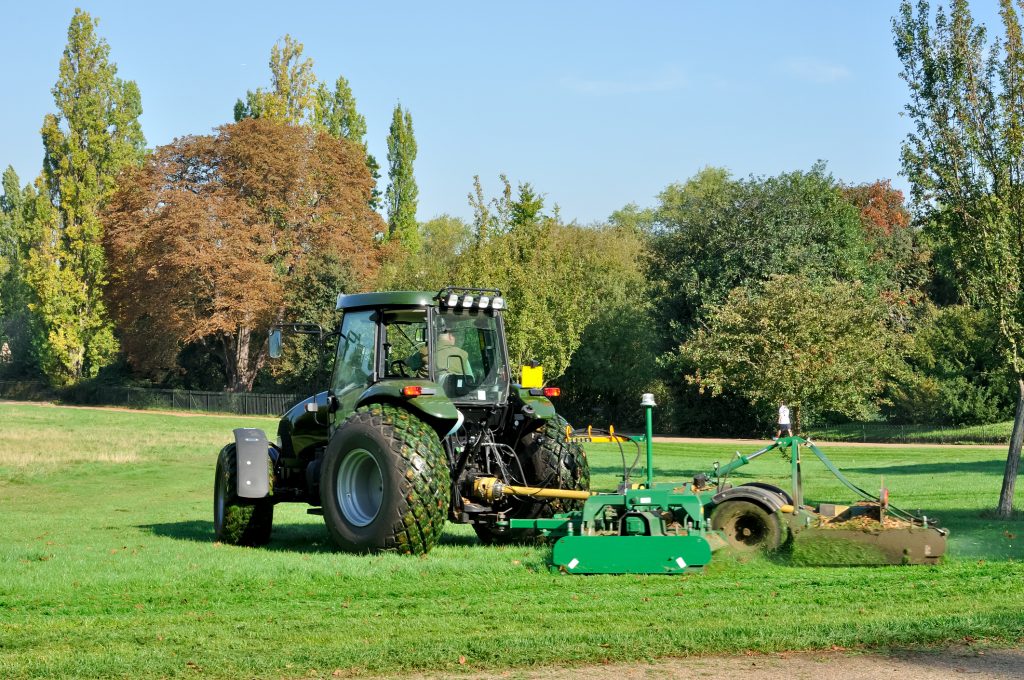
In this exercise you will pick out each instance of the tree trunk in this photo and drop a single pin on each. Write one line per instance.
(1005, 509)
(243, 380)
(240, 367)
(230, 364)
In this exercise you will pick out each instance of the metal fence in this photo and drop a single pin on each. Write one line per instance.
(242, 403)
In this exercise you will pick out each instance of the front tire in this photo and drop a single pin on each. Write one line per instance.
(384, 483)
(748, 527)
(233, 522)
(550, 462)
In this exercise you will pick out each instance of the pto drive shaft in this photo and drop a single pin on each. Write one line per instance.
(490, 489)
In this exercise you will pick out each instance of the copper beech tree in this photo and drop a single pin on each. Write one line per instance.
(207, 237)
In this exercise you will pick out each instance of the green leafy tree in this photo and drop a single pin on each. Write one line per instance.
(898, 257)
(445, 241)
(311, 298)
(555, 276)
(956, 371)
(714, 233)
(965, 162)
(402, 193)
(771, 342)
(93, 134)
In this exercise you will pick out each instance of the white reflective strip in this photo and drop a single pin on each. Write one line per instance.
(458, 424)
(645, 500)
(681, 563)
(572, 563)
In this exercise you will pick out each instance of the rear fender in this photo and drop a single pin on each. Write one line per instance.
(435, 409)
(535, 407)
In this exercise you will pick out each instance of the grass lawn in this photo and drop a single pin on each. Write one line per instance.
(992, 433)
(108, 569)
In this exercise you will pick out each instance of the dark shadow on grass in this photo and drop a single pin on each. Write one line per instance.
(298, 538)
(988, 467)
(458, 540)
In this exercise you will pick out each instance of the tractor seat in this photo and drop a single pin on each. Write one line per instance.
(455, 384)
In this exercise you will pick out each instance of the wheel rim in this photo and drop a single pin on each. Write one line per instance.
(748, 529)
(360, 487)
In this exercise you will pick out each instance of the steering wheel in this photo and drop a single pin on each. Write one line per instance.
(400, 367)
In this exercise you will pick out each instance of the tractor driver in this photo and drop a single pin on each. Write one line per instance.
(448, 357)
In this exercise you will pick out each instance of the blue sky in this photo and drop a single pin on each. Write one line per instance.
(597, 104)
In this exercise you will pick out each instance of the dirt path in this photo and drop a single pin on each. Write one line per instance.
(959, 662)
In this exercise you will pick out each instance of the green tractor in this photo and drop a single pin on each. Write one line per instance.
(421, 404)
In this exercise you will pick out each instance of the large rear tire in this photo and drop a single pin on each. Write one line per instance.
(384, 482)
(748, 527)
(234, 522)
(550, 462)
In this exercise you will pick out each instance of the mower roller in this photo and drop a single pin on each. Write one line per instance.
(671, 528)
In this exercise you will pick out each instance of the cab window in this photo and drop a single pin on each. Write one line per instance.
(353, 365)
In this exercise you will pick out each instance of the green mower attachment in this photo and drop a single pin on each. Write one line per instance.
(672, 528)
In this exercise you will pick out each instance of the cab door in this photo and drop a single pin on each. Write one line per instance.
(355, 364)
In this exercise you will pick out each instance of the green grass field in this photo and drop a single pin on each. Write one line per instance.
(108, 569)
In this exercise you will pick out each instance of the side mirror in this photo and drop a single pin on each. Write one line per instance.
(421, 335)
(274, 344)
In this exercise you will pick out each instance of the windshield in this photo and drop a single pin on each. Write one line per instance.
(469, 356)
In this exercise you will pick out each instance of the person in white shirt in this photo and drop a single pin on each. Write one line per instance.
(784, 423)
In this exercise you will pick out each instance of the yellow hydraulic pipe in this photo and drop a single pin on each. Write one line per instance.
(545, 493)
(490, 489)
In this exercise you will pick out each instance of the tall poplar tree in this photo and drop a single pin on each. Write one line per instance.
(402, 194)
(335, 113)
(19, 327)
(292, 92)
(91, 136)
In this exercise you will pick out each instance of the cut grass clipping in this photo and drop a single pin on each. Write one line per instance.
(108, 568)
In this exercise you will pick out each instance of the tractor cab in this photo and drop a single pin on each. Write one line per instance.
(454, 339)
(461, 348)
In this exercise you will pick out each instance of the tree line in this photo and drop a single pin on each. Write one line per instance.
(725, 297)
